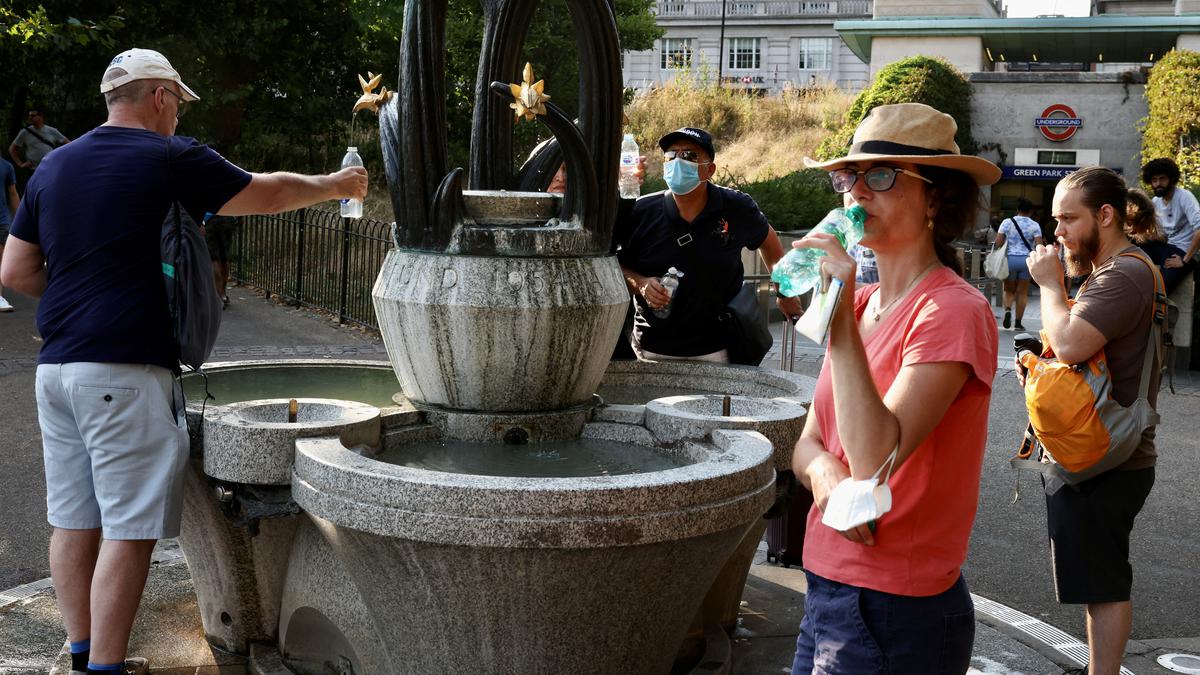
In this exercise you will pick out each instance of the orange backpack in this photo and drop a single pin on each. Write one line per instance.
(1076, 427)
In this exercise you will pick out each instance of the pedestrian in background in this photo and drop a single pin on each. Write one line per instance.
(86, 240)
(8, 183)
(33, 143)
(1178, 214)
(1142, 228)
(218, 234)
(1021, 233)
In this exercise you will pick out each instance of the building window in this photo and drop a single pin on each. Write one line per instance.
(816, 53)
(676, 54)
(744, 53)
(817, 8)
(1057, 157)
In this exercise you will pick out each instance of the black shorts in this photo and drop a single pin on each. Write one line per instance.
(1089, 527)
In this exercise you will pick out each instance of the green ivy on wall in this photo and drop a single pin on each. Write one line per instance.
(917, 79)
(1172, 128)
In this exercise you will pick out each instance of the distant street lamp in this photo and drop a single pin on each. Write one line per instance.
(721, 48)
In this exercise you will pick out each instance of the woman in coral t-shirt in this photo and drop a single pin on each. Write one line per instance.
(908, 371)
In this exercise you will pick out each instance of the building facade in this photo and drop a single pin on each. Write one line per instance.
(759, 45)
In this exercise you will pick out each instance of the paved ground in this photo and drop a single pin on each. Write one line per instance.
(1008, 561)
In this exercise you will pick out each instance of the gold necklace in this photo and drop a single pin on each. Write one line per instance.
(877, 313)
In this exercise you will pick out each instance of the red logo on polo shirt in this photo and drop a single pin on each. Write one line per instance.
(1058, 122)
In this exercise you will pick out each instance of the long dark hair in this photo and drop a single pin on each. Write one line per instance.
(1141, 222)
(957, 199)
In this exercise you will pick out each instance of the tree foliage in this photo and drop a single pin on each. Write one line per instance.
(917, 79)
(277, 78)
(1172, 128)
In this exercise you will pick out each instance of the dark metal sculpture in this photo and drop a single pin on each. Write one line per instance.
(427, 196)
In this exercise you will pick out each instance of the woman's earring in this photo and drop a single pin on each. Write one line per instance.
(929, 223)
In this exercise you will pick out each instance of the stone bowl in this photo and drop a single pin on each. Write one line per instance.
(780, 419)
(253, 441)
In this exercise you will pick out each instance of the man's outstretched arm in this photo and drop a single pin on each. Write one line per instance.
(281, 191)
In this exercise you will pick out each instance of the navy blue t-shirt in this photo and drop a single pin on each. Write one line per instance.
(95, 207)
(649, 245)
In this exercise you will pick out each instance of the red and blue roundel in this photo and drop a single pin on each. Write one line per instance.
(1058, 122)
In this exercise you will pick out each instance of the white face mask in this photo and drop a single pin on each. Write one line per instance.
(855, 502)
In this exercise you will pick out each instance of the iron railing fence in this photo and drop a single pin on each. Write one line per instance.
(314, 258)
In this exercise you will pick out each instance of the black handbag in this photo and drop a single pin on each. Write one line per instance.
(747, 338)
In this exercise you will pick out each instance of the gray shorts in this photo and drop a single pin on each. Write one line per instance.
(114, 449)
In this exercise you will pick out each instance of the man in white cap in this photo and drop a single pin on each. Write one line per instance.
(86, 241)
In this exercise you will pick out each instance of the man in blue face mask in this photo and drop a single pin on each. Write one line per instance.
(699, 229)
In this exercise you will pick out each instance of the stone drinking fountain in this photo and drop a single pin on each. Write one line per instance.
(522, 504)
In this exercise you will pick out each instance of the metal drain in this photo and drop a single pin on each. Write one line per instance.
(1180, 663)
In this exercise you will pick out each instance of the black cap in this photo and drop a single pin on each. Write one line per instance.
(698, 136)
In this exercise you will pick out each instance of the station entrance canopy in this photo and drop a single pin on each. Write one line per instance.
(1111, 38)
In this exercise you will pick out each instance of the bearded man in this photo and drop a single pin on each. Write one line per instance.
(1090, 522)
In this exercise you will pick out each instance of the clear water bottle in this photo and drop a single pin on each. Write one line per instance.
(628, 181)
(800, 269)
(670, 281)
(351, 208)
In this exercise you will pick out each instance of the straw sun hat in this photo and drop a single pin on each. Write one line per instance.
(915, 133)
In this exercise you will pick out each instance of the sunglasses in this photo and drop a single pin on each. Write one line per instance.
(685, 155)
(878, 178)
(181, 108)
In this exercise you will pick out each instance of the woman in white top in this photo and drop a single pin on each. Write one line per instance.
(1021, 233)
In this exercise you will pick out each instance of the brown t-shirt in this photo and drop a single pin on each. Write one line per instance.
(1118, 301)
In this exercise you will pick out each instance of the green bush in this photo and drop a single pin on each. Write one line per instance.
(1173, 127)
(918, 79)
(796, 201)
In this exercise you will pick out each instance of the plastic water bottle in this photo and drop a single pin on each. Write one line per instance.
(629, 185)
(670, 281)
(351, 208)
(800, 269)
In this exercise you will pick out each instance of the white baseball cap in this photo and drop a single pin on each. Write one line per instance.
(142, 64)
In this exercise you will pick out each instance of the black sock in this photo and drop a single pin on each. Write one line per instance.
(80, 651)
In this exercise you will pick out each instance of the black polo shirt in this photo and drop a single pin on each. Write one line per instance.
(653, 238)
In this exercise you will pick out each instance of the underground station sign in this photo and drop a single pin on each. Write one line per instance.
(1058, 122)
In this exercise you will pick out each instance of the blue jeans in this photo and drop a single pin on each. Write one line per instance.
(852, 630)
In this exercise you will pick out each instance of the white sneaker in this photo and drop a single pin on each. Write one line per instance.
(4, 306)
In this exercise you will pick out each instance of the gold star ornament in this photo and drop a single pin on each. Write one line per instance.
(530, 101)
(370, 100)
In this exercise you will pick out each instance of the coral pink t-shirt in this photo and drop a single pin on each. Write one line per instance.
(921, 543)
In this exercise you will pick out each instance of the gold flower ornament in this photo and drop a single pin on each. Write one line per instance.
(370, 100)
(530, 101)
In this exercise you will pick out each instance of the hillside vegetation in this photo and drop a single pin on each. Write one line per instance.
(761, 141)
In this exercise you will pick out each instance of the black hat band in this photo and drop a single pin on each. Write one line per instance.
(890, 148)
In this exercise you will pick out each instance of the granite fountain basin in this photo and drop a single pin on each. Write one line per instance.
(780, 420)
(598, 573)
(498, 333)
(638, 382)
(254, 441)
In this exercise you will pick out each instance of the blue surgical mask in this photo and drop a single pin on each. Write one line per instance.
(682, 176)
